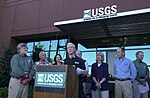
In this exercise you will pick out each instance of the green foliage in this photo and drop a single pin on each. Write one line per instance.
(30, 94)
(5, 66)
(37, 50)
(50, 60)
(3, 92)
(40, 46)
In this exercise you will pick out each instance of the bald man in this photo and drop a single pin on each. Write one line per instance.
(84, 78)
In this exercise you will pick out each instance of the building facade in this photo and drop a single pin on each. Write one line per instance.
(33, 20)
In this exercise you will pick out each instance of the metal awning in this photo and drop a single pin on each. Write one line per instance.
(128, 30)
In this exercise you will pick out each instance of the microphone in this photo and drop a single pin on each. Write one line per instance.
(61, 61)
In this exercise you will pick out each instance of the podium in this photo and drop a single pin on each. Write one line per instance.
(54, 81)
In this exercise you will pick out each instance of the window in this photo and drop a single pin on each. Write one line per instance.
(131, 55)
(90, 54)
(50, 47)
(30, 46)
(54, 44)
(46, 44)
(90, 57)
(63, 54)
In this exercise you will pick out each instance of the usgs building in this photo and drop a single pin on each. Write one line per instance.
(92, 25)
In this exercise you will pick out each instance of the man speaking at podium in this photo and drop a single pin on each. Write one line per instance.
(78, 63)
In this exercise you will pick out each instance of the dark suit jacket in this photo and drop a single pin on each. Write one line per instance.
(99, 73)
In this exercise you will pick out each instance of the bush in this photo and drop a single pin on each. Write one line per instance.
(3, 92)
(5, 66)
(37, 50)
(31, 89)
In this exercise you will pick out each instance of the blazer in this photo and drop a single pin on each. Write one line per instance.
(99, 73)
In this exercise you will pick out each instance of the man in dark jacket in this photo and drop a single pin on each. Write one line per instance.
(78, 63)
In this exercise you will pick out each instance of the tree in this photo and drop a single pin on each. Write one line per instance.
(37, 50)
(5, 66)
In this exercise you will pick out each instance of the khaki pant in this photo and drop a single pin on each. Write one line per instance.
(100, 94)
(123, 89)
(136, 92)
(17, 90)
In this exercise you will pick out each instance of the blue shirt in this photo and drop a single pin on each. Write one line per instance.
(125, 68)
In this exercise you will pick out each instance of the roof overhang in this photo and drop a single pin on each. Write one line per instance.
(127, 28)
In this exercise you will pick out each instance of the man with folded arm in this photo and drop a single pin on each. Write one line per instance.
(140, 85)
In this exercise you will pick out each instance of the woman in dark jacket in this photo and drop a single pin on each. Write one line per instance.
(100, 76)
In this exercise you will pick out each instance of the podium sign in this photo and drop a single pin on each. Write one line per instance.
(54, 81)
(50, 79)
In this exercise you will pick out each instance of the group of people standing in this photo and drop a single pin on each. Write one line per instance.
(23, 70)
(130, 76)
(43, 60)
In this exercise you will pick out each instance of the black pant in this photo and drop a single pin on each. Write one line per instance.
(81, 92)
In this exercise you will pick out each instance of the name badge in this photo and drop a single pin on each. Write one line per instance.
(76, 62)
(29, 61)
(126, 64)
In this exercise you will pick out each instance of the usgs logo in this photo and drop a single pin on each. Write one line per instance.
(56, 78)
(100, 13)
(51, 79)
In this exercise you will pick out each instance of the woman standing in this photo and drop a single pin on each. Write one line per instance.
(100, 76)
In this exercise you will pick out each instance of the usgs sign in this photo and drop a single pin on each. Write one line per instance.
(50, 79)
(100, 13)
